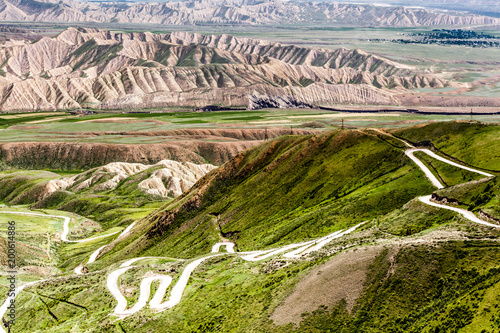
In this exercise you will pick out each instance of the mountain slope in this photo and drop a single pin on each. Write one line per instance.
(105, 193)
(289, 189)
(101, 69)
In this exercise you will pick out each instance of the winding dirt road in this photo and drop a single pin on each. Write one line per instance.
(64, 238)
(145, 288)
(5, 305)
(178, 290)
(64, 234)
(429, 174)
(424, 168)
(229, 247)
(427, 199)
(465, 213)
(93, 257)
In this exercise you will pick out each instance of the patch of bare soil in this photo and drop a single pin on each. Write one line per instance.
(109, 120)
(25, 127)
(82, 230)
(342, 277)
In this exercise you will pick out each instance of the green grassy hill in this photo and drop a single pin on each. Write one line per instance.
(110, 207)
(477, 144)
(289, 189)
(477, 196)
(410, 268)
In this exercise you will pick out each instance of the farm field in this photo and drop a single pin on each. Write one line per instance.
(134, 128)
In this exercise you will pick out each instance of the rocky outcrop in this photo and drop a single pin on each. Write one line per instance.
(249, 12)
(487, 217)
(260, 102)
(169, 178)
(443, 200)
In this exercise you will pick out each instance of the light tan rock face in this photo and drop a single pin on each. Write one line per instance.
(174, 178)
(168, 178)
(97, 68)
(231, 12)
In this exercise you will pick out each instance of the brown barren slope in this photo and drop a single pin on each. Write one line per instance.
(342, 277)
(214, 146)
(109, 70)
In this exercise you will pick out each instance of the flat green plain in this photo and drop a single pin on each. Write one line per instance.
(134, 128)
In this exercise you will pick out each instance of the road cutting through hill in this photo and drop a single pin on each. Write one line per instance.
(427, 199)
(465, 213)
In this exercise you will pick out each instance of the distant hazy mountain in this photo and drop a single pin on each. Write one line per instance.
(232, 12)
(483, 7)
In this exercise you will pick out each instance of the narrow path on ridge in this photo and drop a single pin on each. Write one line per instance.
(427, 199)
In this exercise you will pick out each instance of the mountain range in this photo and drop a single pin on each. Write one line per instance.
(233, 12)
(110, 70)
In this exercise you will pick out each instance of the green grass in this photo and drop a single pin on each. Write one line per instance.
(7, 120)
(414, 218)
(72, 254)
(475, 144)
(438, 272)
(432, 289)
(38, 237)
(35, 239)
(484, 195)
(287, 190)
(23, 187)
(446, 286)
(114, 207)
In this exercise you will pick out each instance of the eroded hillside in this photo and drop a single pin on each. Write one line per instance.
(215, 146)
(233, 12)
(102, 69)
